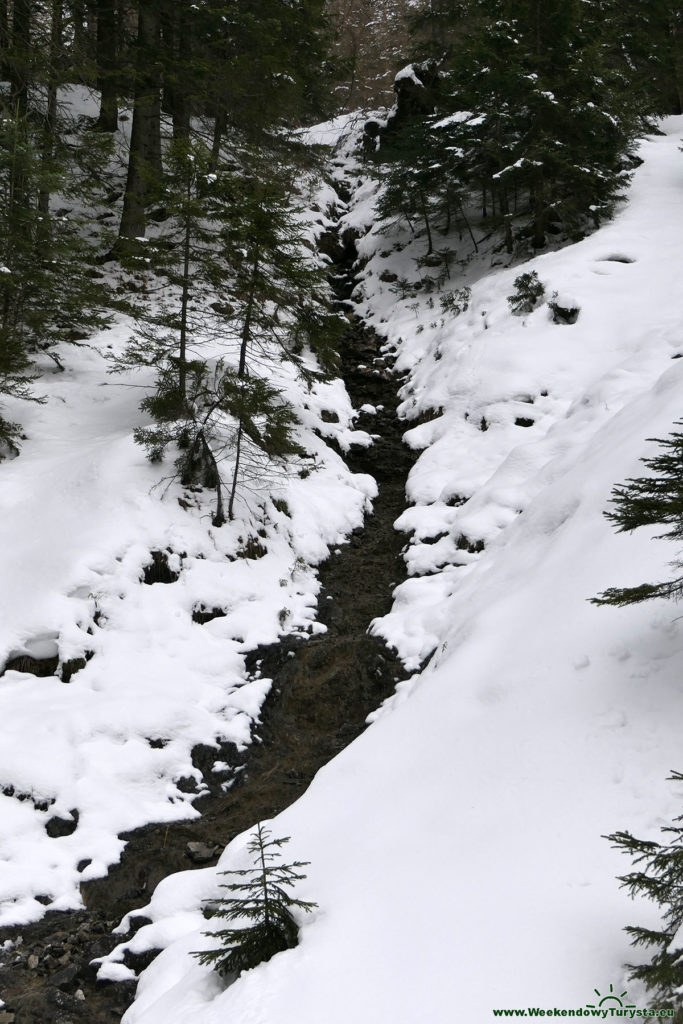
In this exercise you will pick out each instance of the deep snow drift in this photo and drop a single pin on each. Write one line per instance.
(456, 851)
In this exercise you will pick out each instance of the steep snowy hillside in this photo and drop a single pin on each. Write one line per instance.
(90, 532)
(455, 848)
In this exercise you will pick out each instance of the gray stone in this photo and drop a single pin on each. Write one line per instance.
(201, 853)
(64, 979)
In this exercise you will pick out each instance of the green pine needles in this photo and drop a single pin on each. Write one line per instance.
(651, 501)
(658, 876)
(261, 902)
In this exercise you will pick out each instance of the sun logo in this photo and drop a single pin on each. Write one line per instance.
(611, 997)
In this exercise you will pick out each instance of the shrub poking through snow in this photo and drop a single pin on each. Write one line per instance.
(527, 295)
(658, 876)
(651, 501)
(260, 901)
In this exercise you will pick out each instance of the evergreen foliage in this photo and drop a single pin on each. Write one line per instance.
(261, 899)
(529, 121)
(658, 876)
(645, 48)
(527, 294)
(41, 302)
(655, 500)
(252, 66)
(244, 288)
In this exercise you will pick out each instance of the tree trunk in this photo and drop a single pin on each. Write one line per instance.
(246, 329)
(185, 298)
(219, 517)
(425, 217)
(107, 40)
(20, 58)
(177, 44)
(50, 124)
(219, 126)
(19, 213)
(4, 41)
(235, 474)
(505, 211)
(144, 157)
(539, 210)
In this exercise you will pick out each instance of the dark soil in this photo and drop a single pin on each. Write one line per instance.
(323, 689)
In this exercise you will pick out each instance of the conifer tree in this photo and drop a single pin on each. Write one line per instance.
(527, 118)
(655, 500)
(261, 899)
(658, 876)
(247, 297)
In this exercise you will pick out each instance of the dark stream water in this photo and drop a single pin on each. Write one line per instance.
(323, 689)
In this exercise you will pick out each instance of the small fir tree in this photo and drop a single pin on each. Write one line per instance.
(658, 876)
(233, 237)
(241, 421)
(651, 501)
(527, 295)
(261, 899)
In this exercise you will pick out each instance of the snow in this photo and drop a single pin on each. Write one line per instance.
(456, 847)
(81, 512)
(408, 73)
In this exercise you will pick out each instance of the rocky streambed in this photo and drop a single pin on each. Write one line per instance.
(323, 690)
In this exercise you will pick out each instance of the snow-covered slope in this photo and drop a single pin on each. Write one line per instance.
(81, 513)
(456, 851)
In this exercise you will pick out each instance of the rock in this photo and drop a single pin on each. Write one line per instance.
(78, 994)
(57, 827)
(6, 1017)
(201, 853)
(64, 979)
(33, 962)
(49, 1006)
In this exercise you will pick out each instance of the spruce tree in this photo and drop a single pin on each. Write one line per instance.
(655, 500)
(261, 899)
(658, 876)
(527, 120)
(246, 297)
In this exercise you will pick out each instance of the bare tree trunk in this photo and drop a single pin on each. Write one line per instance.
(425, 217)
(505, 211)
(235, 474)
(219, 127)
(539, 210)
(20, 58)
(4, 40)
(219, 516)
(145, 144)
(246, 329)
(50, 125)
(185, 298)
(177, 43)
(107, 39)
(469, 227)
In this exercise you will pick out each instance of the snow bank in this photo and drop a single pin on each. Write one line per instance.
(456, 851)
(81, 511)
